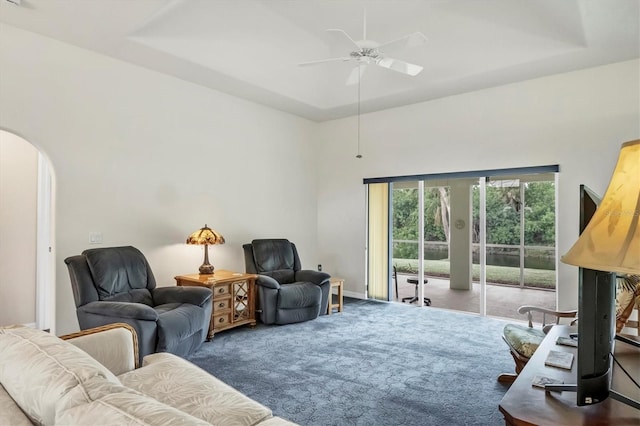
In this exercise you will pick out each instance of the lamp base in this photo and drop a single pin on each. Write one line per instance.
(206, 269)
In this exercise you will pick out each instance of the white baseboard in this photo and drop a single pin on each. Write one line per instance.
(347, 293)
(354, 294)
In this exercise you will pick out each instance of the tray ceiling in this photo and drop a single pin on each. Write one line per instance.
(251, 48)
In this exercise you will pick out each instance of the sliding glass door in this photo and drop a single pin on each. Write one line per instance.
(520, 242)
(405, 229)
(486, 245)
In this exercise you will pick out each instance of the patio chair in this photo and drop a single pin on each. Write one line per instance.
(411, 279)
(627, 299)
(524, 340)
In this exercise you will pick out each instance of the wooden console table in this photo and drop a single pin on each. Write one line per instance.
(524, 404)
(234, 298)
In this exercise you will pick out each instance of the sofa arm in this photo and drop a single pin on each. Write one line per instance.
(199, 296)
(122, 310)
(114, 345)
(312, 276)
(267, 281)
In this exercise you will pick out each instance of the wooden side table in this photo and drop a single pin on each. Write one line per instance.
(234, 298)
(335, 282)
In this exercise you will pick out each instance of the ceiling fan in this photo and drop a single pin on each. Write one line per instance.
(368, 52)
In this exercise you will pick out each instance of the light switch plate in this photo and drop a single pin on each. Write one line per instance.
(95, 237)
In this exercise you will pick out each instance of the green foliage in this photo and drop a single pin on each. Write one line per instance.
(433, 228)
(405, 220)
(540, 218)
(503, 216)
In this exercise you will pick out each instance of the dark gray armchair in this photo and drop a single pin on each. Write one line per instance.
(286, 293)
(115, 284)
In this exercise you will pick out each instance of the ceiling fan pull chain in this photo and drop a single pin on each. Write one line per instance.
(358, 155)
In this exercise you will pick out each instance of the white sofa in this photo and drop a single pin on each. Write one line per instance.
(91, 378)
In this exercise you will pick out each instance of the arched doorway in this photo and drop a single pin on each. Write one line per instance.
(27, 274)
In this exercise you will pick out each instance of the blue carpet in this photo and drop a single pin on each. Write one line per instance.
(374, 364)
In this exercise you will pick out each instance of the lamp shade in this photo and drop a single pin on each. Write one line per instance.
(205, 236)
(611, 240)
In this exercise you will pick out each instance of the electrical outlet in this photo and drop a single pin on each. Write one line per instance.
(95, 237)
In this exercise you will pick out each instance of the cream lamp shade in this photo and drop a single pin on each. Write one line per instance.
(611, 240)
(205, 236)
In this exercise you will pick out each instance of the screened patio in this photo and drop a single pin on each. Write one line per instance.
(502, 300)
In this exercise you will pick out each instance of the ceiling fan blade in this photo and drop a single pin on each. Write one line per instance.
(324, 61)
(400, 66)
(342, 41)
(356, 74)
(411, 40)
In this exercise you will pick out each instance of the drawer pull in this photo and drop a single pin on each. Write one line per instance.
(221, 305)
(220, 319)
(221, 290)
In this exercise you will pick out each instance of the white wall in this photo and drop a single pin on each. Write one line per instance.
(577, 120)
(146, 159)
(18, 202)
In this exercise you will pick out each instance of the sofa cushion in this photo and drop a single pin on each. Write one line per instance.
(273, 254)
(53, 368)
(97, 401)
(299, 295)
(177, 322)
(182, 385)
(10, 413)
(283, 276)
(120, 270)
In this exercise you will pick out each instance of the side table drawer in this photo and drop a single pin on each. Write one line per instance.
(221, 320)
(220, 290)
(222, 304)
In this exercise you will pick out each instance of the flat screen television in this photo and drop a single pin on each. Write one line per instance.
(596, 325)
(596, 320)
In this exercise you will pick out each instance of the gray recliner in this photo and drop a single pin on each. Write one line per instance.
(286, 293)
(115, 284)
